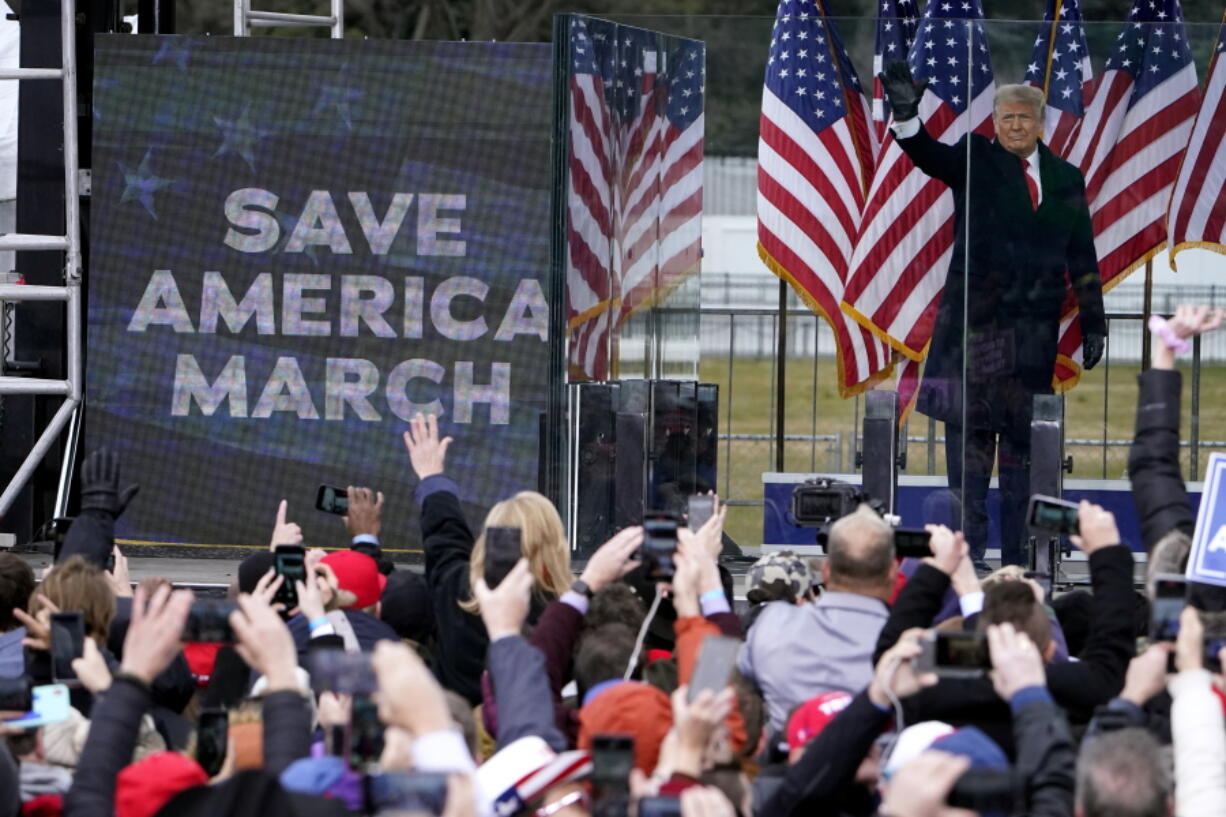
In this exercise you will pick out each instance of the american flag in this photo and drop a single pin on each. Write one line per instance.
(1142, 111)
(661, 190)
(592, 294)
(1060, 67)
(634, 180)
(1197, 215)
(815, 157)
(906, 237)
(896, 23)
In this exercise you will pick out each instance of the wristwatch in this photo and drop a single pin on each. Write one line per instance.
(580, 587)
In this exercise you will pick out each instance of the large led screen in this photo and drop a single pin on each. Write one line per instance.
(295, 246)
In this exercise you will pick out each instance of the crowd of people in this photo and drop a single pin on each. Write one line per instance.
(376, 690)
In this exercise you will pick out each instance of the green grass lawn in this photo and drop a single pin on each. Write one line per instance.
(1102, 406)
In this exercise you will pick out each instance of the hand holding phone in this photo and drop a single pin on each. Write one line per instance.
(716, 660)
(212, 740)
(330, 499)
(1053, 515)
(67, 644)
(659, 546)
(209, 622)
(289, 562)
(701, 507)
(50, 704)
(503, 550)
(912, 543)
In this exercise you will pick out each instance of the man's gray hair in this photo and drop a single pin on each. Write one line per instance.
(860, 549)
(1027, 94)
(1123, 774)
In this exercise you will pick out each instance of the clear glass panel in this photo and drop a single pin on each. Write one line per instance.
(634, 201)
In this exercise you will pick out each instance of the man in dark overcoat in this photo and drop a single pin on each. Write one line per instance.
(1023, 236)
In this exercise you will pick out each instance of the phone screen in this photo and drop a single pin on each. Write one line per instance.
(348, 673)
(1052, 514)
(212, 735)
(612, 760)
(67, 643)
(659, 545)
(701, 508)
(716, 659)
(912, 544)
(50, 705)
(409, 792)
(503, 549)
(331, 499)
(289, 561)
(365, 733)
(1170, 597)
(962, 651)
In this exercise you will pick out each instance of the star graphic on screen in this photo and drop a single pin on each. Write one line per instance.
(239, 136)
(175, 49)
(337, 97)
(140, 184)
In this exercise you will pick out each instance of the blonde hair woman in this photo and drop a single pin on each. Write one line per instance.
(455, 559)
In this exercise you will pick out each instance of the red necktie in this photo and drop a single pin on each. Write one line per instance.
(1031, 185)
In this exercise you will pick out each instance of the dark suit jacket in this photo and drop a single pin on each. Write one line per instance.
(1016, 265)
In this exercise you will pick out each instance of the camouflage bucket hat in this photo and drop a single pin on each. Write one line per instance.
(784, 565)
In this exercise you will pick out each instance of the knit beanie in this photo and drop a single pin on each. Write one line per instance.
(144, 787)
(629, 708)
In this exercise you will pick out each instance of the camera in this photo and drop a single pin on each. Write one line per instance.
(818, 502)
(343, 672)
(209, 622)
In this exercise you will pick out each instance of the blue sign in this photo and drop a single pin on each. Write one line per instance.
(1208, 560)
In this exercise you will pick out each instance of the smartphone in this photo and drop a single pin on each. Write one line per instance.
(67, 643)
(409, 792)
(365, 733)
(701, 508)
(209, 622)
(912, 543)
(331, 499)
(1170, 597)
(503, 549)
(716, 658)
(110, 562)
(1047, 513)
(659, 546)
(16, 694)
(988, 791)
(612, 760)
(212, 738)
(289, 561)
(954, 654)
(349, 673)
(50, 705)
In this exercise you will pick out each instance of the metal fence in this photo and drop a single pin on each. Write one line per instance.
(820, 431)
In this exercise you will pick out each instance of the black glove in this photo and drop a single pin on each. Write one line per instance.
(100, 484)
(901, 90)
(1092, 345)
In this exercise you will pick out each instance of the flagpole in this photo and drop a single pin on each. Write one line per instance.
(781, 366)
(1146, 310)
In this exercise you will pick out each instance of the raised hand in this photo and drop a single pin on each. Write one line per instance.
(1016, 661)
(284, 532)
(948, 549)
(154, 631)
(1097, 528)
(365, 511)
(100, 484)
(505, 608)
(901, 90)
(265, 643)
(613, 559)
(118, 578)
(427, 453)
(895, 671)
(408, 696)
(1192, 319)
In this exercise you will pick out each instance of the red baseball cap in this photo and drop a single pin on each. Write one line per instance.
(142, 788)
(811, 717)
(359, 574)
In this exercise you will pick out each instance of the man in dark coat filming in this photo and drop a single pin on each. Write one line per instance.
(1023, 237)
